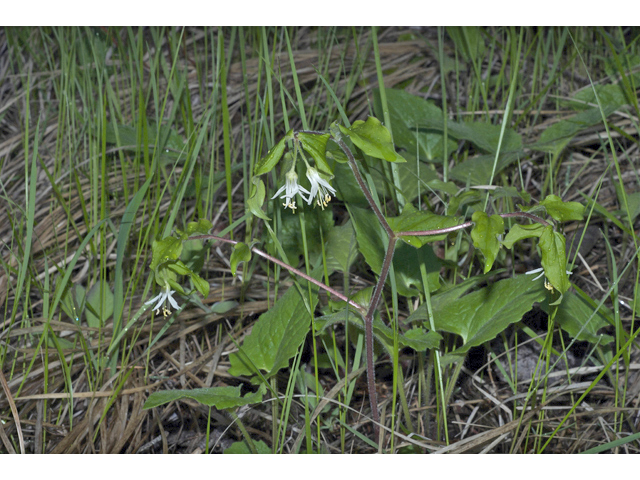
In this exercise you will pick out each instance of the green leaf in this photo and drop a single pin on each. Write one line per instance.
(193, 254)
(276, 336)
(485, 236)
(241, 448)
(406, 259)
(73, 302)
(449, 294)
(412, 220)
(341, 248)
(416, 338)
(477, 170)
(520, 232)
(273, 156)
(563, 211)
(219, 397)
(201, 227)
(479, 316)
(610, 96)
(405, 112)
(256, 199)
(469, 41)
(165, 250)
(575, 315)
(201, 285)
(373, 139)
(554, 259)
(170, 142)
(241, 253)
(555, 138)
(99, 304)
(290, 233)
(224, 306)
(316, 146)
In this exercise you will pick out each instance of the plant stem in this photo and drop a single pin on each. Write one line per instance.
(295, 271)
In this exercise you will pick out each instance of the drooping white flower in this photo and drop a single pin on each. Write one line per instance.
(320, 188)
(540, 270)
(161, 299)
(291, 189)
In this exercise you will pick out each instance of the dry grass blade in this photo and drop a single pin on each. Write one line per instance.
(14, 412)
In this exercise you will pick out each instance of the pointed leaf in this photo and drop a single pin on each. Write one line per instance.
(276, 336)
(412, 220)
(485, 236)
(99, 304)
(219, 397)
(256, 200)
(563, 211)
(576, 317)
(520, 232)
(242, 448)
(554, 259)
(165, 250)
(316, 146)
(479, 316)
(373, 139)
(241, 253)
(273, 156)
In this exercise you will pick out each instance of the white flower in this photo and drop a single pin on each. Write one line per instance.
(547, 285)
(320, 188)
(291, 188)
(165, 295)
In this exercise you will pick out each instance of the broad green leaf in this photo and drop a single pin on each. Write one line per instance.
(273, 156)
(277, 334)
(165, 250)
(412, 220)
(170, 142)
(99, 304)
(554, 259)
(479, 316)
(576, 317)
(341, 248)
(201, 227)
(201, 285)
(405, 112)
(316, 146)
(563, 211)
(414, 178)
(520, 232)
(611, 96)
(477, 170)
(485, 236)
(256, 200)
(219, 397)
(450, 295)
(290, 233)
(469, 41)
(242, 448)
(193, 254)
(555, 138)
(179, 268)
(224, 306)
(406, 259)
(420, 126)
(416, 338)
(241, 253)
(373, 139)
